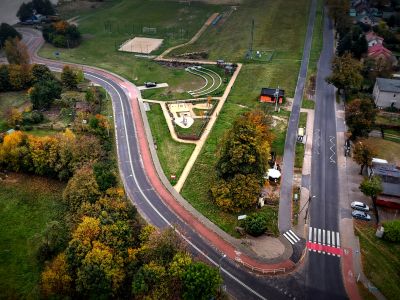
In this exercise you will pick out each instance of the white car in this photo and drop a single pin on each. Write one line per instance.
(359, 206)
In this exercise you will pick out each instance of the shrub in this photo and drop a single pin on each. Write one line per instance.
(392, 231)
(256, 224)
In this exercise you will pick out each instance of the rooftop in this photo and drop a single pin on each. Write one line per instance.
(388, 85)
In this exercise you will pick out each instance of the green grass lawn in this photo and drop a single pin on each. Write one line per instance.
(388, 150)
(8, 100)
(381, 260)
(300, 147)
(309, 104)
(106, 28)
(173, 156)
(27, 204)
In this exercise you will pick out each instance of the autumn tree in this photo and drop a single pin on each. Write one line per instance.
(337, 9)
(14, 153)
(69, 78)
(372, 187)
(346, 73)
(7, 32)
(245, 149)
(56, 280)
(16, 52)
(360, 117)
(238, 193)
(13, 116)
(200, 282)
(19, 77)
(44, 154)
(82, 187)
(363, 153)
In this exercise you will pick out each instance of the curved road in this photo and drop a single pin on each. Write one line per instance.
(139, 178)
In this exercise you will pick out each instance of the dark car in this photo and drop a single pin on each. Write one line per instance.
(150, 84)
(361, 215)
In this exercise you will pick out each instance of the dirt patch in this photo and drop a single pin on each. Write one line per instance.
(141, 45)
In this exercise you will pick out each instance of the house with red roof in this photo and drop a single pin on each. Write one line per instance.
(373, 39)
(379, 52)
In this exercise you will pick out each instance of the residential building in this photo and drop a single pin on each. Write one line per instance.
(386, 93)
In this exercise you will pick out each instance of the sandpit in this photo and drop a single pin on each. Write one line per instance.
(141, 45)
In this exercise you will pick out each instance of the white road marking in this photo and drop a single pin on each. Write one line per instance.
(328, 235)
(289, 238)
(319, 236)
(310, 234)
(333, 239)
(337, 240)
(156, 210)
(296, 238)
(323, 236)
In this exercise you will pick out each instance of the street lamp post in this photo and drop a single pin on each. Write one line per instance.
(308, 206)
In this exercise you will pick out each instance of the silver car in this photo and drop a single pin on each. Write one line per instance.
(361, 215)
(359, 206)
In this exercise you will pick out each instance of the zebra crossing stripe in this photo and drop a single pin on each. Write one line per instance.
(315, 235)
(333, 238)
(291, 233)
(323, 236)
(310, 234)
(328, 236)
(289, 238)
(337, 240)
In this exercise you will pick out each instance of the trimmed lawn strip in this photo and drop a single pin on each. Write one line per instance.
(309, 104)
(388, 150)
(381, 260)
(300, 147)
(27, 204)
(173, 155)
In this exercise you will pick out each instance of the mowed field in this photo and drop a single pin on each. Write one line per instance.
(281, 25)
(104, 29)
(27, 204)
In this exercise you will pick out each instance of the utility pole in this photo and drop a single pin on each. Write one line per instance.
(276, 98)
(252, 39)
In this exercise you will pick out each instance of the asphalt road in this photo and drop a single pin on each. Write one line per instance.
(239, 282)
(323, 272)
(9, 8)
(285, 204)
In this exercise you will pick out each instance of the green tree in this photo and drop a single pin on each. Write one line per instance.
(7, 32)
(360, 117)
(256, 224)
(41, 73)
(25, 11)
(105, 176)
(101, 273)
(238, 193)
(44, 7)
(53, 240)
(147, 279)
(69, 78)
(43, 93)
(337, 9)
(372, 187)
(5, 84)
(346, 73)
(200, 282)
(363, 153)
(82, 187)
(16, 52)
(392, 231)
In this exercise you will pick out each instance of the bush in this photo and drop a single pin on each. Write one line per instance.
(392, 231)
(33, 117)
(256, 224)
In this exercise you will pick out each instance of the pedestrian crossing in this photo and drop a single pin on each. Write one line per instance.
(324, 241)
(291, 237)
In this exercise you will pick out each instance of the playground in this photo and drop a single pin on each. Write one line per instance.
(184, 114)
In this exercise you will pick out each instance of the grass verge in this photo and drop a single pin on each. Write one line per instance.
(381, 260)
(300, 147)
(27, 204)
(173, 155)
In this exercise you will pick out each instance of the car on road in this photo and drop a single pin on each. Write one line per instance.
(150, 84)
(359, 206)
(362, 215)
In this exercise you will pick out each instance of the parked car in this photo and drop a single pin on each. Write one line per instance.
(357, 214)
(359, 206)
(150, 84)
